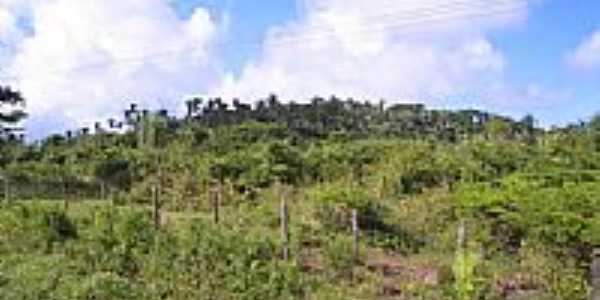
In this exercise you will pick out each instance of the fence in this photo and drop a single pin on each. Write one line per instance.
(16, 188)
(307, 245)
(595, 274)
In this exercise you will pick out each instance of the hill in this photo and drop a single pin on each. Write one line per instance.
(398, 202)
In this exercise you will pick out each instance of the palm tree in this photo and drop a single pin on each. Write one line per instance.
(131, 114)
(84, 131)
(112, 123)
(11, 111)
(98, 127)
(189, 105)
(192, 107)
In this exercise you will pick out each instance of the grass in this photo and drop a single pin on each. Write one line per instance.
(407, 253)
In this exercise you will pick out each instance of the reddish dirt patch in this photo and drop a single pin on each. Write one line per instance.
(311, 260)
(396, 266)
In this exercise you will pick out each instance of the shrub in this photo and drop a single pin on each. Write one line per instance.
(339, 257)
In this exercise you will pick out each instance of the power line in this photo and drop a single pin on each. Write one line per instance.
(408, 24)
(284, 41)
(452, 6)
(433, 17)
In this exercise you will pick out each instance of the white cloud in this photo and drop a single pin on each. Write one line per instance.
(587, 54)
(83, 60)
(9, 32)
(7, 23)
(80, 60)
(393, 49)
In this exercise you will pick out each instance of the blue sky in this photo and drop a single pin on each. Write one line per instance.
(248, 21)
(536, 53)
(535, 50)
(79, 62)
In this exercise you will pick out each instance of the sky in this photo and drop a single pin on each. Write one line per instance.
(81, 61)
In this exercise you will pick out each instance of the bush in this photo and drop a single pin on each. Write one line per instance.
(59, 227)
(34, 227)
(335, 201)
(339, 257)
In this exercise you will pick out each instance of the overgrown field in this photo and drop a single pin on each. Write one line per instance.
(529, 235)
(497, 213)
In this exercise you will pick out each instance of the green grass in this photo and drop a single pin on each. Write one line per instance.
(408, 251)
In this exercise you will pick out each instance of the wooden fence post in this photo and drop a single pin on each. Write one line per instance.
(102, 190)
(356, 236)
(110, 219)
(155, 207)
(63, 189)
(595, 273)
(6, 189)
(461, 236)
(382, 188)
(216, 200)
(66, 204)
(219, 195)
(285, 230)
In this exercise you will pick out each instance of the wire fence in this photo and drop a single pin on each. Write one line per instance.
(14, 189)
(335, 240)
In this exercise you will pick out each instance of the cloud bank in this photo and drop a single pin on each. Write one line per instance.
(83, 60)
(398, 50)
(78, 61)
(587, 55)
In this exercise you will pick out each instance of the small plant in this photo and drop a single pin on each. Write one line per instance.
(339, 257)
(465, 280)
(59, 228)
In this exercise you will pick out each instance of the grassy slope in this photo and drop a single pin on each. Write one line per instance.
(525, 237)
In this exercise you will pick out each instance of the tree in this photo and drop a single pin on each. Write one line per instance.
(11, 112)
(527, 125)
(497, 128)
(594, 123)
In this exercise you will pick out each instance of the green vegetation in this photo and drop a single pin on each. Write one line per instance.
(11, 112)
(76, 221)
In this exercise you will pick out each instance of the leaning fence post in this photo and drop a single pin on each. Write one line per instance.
(285, 231)
(595, 273)
(356, 236)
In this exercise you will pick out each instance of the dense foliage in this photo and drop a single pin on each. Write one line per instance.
(76, 222)
(11, 112)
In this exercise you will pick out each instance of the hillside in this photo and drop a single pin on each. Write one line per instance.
(448, 205)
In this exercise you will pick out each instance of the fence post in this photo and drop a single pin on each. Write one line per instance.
(382, 188)
(595, 273)
(63, 188)
(216, 200)
(155, 207)
(285, 230)
(356, 236)
(190, 192)
(66, 204)
(102, 190)
(461, 236)
(6, 189)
